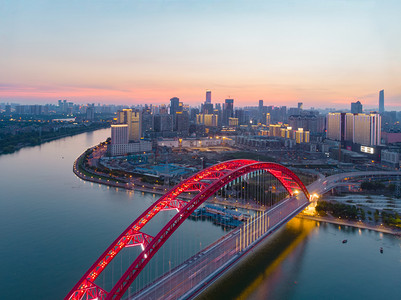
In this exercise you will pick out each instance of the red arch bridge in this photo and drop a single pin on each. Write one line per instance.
(201, 186)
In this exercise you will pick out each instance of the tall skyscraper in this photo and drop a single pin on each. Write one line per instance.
(208, 97)
(228, 111)
(356, 107)
(182, 123)
(174, 105)
(381, 102)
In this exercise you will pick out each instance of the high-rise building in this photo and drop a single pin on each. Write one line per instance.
(335, 126)
(119, 134)
(361, 129)
(321, 124)
(367, 129)
(381, 102)
(300, 105)
(134, 121)
(340, 126)
(174, 105)
(120, 144)
(182, 123)
(90, 113)
(135, 133)
(261, 113)
(208, 97)
(349, 127)
(228, 111)
(356, 107)
(147, 122)
(163, 123)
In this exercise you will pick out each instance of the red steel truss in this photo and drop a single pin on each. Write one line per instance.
(206, 183)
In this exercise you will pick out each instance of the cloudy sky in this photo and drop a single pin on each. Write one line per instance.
(322, 53)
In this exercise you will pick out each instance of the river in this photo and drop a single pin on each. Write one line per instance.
(54, 225)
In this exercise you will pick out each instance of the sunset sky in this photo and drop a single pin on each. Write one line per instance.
(321, 53)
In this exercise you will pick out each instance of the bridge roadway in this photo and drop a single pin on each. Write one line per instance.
(325, 184)
(195, 274)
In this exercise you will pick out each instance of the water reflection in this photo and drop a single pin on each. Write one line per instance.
(307, 260)
(264, 267)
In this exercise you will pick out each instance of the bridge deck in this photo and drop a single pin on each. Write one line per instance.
(191, 277)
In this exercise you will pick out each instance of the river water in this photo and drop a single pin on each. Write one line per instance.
(53, 226)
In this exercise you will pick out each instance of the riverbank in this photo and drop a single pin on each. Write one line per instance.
(359, 224)
(14, 142)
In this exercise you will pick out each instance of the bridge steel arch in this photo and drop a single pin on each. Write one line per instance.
(206, 182)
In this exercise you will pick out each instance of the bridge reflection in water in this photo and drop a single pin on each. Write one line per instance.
(195, 274)
(265, 262)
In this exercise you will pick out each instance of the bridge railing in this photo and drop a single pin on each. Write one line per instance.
(199, 269)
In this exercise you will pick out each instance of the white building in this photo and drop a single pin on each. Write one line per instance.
(364, 129)
(120, 142)
(334, 126)
(119, 134)
(367, 129)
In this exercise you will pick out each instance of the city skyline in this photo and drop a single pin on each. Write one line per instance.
(135, 53)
